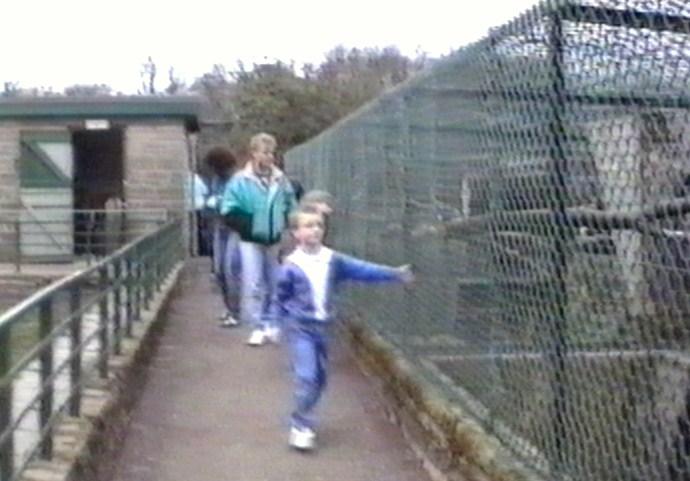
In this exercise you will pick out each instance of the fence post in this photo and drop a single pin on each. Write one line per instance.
(75, 351)
(147, 271)
(46, 363)
(137, 283)
(17, 245)
(407, 187)
(157, 268)
(103, 323)
(129, 292)
(7, 447)
(89, 233)
(176, 253)
(117, 306)
(559, 166)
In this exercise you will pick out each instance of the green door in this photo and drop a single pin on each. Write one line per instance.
(45, 173)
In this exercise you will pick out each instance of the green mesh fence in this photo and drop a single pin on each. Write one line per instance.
(539, 181)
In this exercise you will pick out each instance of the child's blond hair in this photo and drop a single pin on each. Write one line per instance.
(262, 140)
(295, 217)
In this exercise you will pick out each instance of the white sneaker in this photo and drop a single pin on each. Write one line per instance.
(303, 439)
(272, 333)
(257, 338)
(229, 321)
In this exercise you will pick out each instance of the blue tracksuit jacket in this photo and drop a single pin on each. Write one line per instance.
(295, 296)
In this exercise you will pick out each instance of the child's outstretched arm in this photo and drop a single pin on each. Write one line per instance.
(351, 268)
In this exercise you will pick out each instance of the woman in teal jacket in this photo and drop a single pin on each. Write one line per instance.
(256, 203)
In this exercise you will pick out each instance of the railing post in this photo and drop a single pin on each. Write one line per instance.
(103, 324)
(148, 279)
(137, 283)
(89, 233)
(17, 245)
(117, 306)
(7, 447)
(176, 251)
(46, 384)
(160, 257)
(129, 293)
(75, 351)
(180, 247)
(558, 349)
(170, 254)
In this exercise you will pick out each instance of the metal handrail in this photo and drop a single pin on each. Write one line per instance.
(125, 281)
(65, 282)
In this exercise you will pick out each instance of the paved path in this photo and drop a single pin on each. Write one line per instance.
(215, 409)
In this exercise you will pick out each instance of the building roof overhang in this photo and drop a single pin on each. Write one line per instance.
(184, 107)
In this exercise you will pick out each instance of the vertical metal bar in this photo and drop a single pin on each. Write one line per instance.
(147, 269)
(407, 182)
(7, 448)
(169, 257)
(122, 237)
(128, 276)
(559, 166)
(137, 283)
(47, 389)
(103, 335)
(157, 269)
(178, 248)
(163, 258)
(406, 146)
(89, 232)
(117, 306)
(17, 245)
(75, 349)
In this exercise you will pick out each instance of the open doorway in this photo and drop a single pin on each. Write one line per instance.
(98, 178)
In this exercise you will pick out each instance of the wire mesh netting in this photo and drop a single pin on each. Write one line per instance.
(539, 182)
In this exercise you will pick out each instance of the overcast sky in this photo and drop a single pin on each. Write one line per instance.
(52, 43)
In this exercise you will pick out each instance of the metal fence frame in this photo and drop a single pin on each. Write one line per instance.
(382, 135)
(87, 229)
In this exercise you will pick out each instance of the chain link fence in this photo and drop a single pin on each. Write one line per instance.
(539, 181)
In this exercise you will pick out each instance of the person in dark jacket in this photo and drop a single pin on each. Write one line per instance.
(222, 163)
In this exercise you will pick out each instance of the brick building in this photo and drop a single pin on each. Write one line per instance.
(61, 154)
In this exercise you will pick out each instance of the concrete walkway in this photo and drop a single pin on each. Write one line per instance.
(215, 409)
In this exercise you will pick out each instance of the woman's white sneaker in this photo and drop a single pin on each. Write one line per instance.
(229, 321)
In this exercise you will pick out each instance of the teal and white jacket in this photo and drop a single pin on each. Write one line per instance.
(258, 208)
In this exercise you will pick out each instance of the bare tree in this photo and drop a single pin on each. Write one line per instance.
(148, 77)
(11, 89)
(175, 85)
